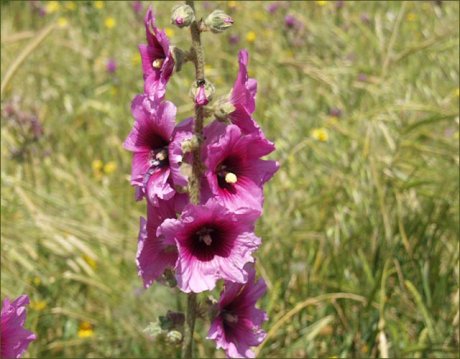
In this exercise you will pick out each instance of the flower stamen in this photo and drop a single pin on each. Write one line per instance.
(157, 63)
(231, 178)
(230, 318)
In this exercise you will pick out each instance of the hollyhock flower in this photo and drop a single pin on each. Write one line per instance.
(213, 243)
(154, 253)
(235, 171)
(156, 156)
(157, 60)
(14, 338)
(236, 327)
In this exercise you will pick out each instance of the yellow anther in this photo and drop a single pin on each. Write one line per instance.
(157, 63)
(231, 178)
(160, 156)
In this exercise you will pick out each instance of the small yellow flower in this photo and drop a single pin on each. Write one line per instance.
(110, 22)
(99, 4)
(232, 4)
(251, 36)
(70, 5)
(411, 17)
(169, 32)
(37, 305)
(320, 134)
(63, 22)
(85, 329)
(321, 3)
(52, 6)
(90, 261)
(36, 281)
(110, 167)
(97, 165)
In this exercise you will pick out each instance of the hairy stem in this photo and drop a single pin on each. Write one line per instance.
(198, 59)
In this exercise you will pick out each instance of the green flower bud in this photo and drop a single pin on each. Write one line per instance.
(202, 92)
(182, 15)
(218, 21)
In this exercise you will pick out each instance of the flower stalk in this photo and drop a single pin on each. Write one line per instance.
(197, 169)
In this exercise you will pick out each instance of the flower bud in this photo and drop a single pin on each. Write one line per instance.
(182, 15)
(202, 93)
(174, 337)
(218, 21)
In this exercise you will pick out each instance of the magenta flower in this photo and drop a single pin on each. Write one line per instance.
(111, 66)
(235, 171)
(213, 243)
(14, 338)
(201, 99)
(290, 21)
(157, 60)
(154, 253)
(137, 7)
(273, 7)
(236, 327)
(156, 157)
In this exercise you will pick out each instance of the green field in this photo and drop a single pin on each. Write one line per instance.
(360, 246)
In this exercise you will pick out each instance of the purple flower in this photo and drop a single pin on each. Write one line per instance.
(157, 60)
(111, 66)
(273, 7)
(290, 21)
(153, 141)
(233, 39)
(201, 99)
(154, 253)
(236, 327)
(137, 7)
(235, 171)
(213, 243)
(335, 112)
(14, 338)
(243, 97)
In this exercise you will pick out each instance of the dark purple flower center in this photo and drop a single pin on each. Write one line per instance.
(159, 157)
(209, 241)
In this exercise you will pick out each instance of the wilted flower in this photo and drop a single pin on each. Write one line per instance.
(213, 243)
(14, 338)
(237, 326)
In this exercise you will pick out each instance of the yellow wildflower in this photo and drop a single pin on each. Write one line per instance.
(110, 167)
(70, 5)
(232, 4)
(169, 32)
(91, 261)
(52, 6)
(251, 36)
(320, 134)
(37, 305)
(321, 3)
(85, 329)
(99, 4)
(110, 22)
(411, 17)
(63, 22)
(97, 165)
(36, 281)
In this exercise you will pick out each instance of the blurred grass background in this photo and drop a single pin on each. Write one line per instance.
(360, 231)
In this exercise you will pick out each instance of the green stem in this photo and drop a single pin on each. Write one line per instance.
(198, 59)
